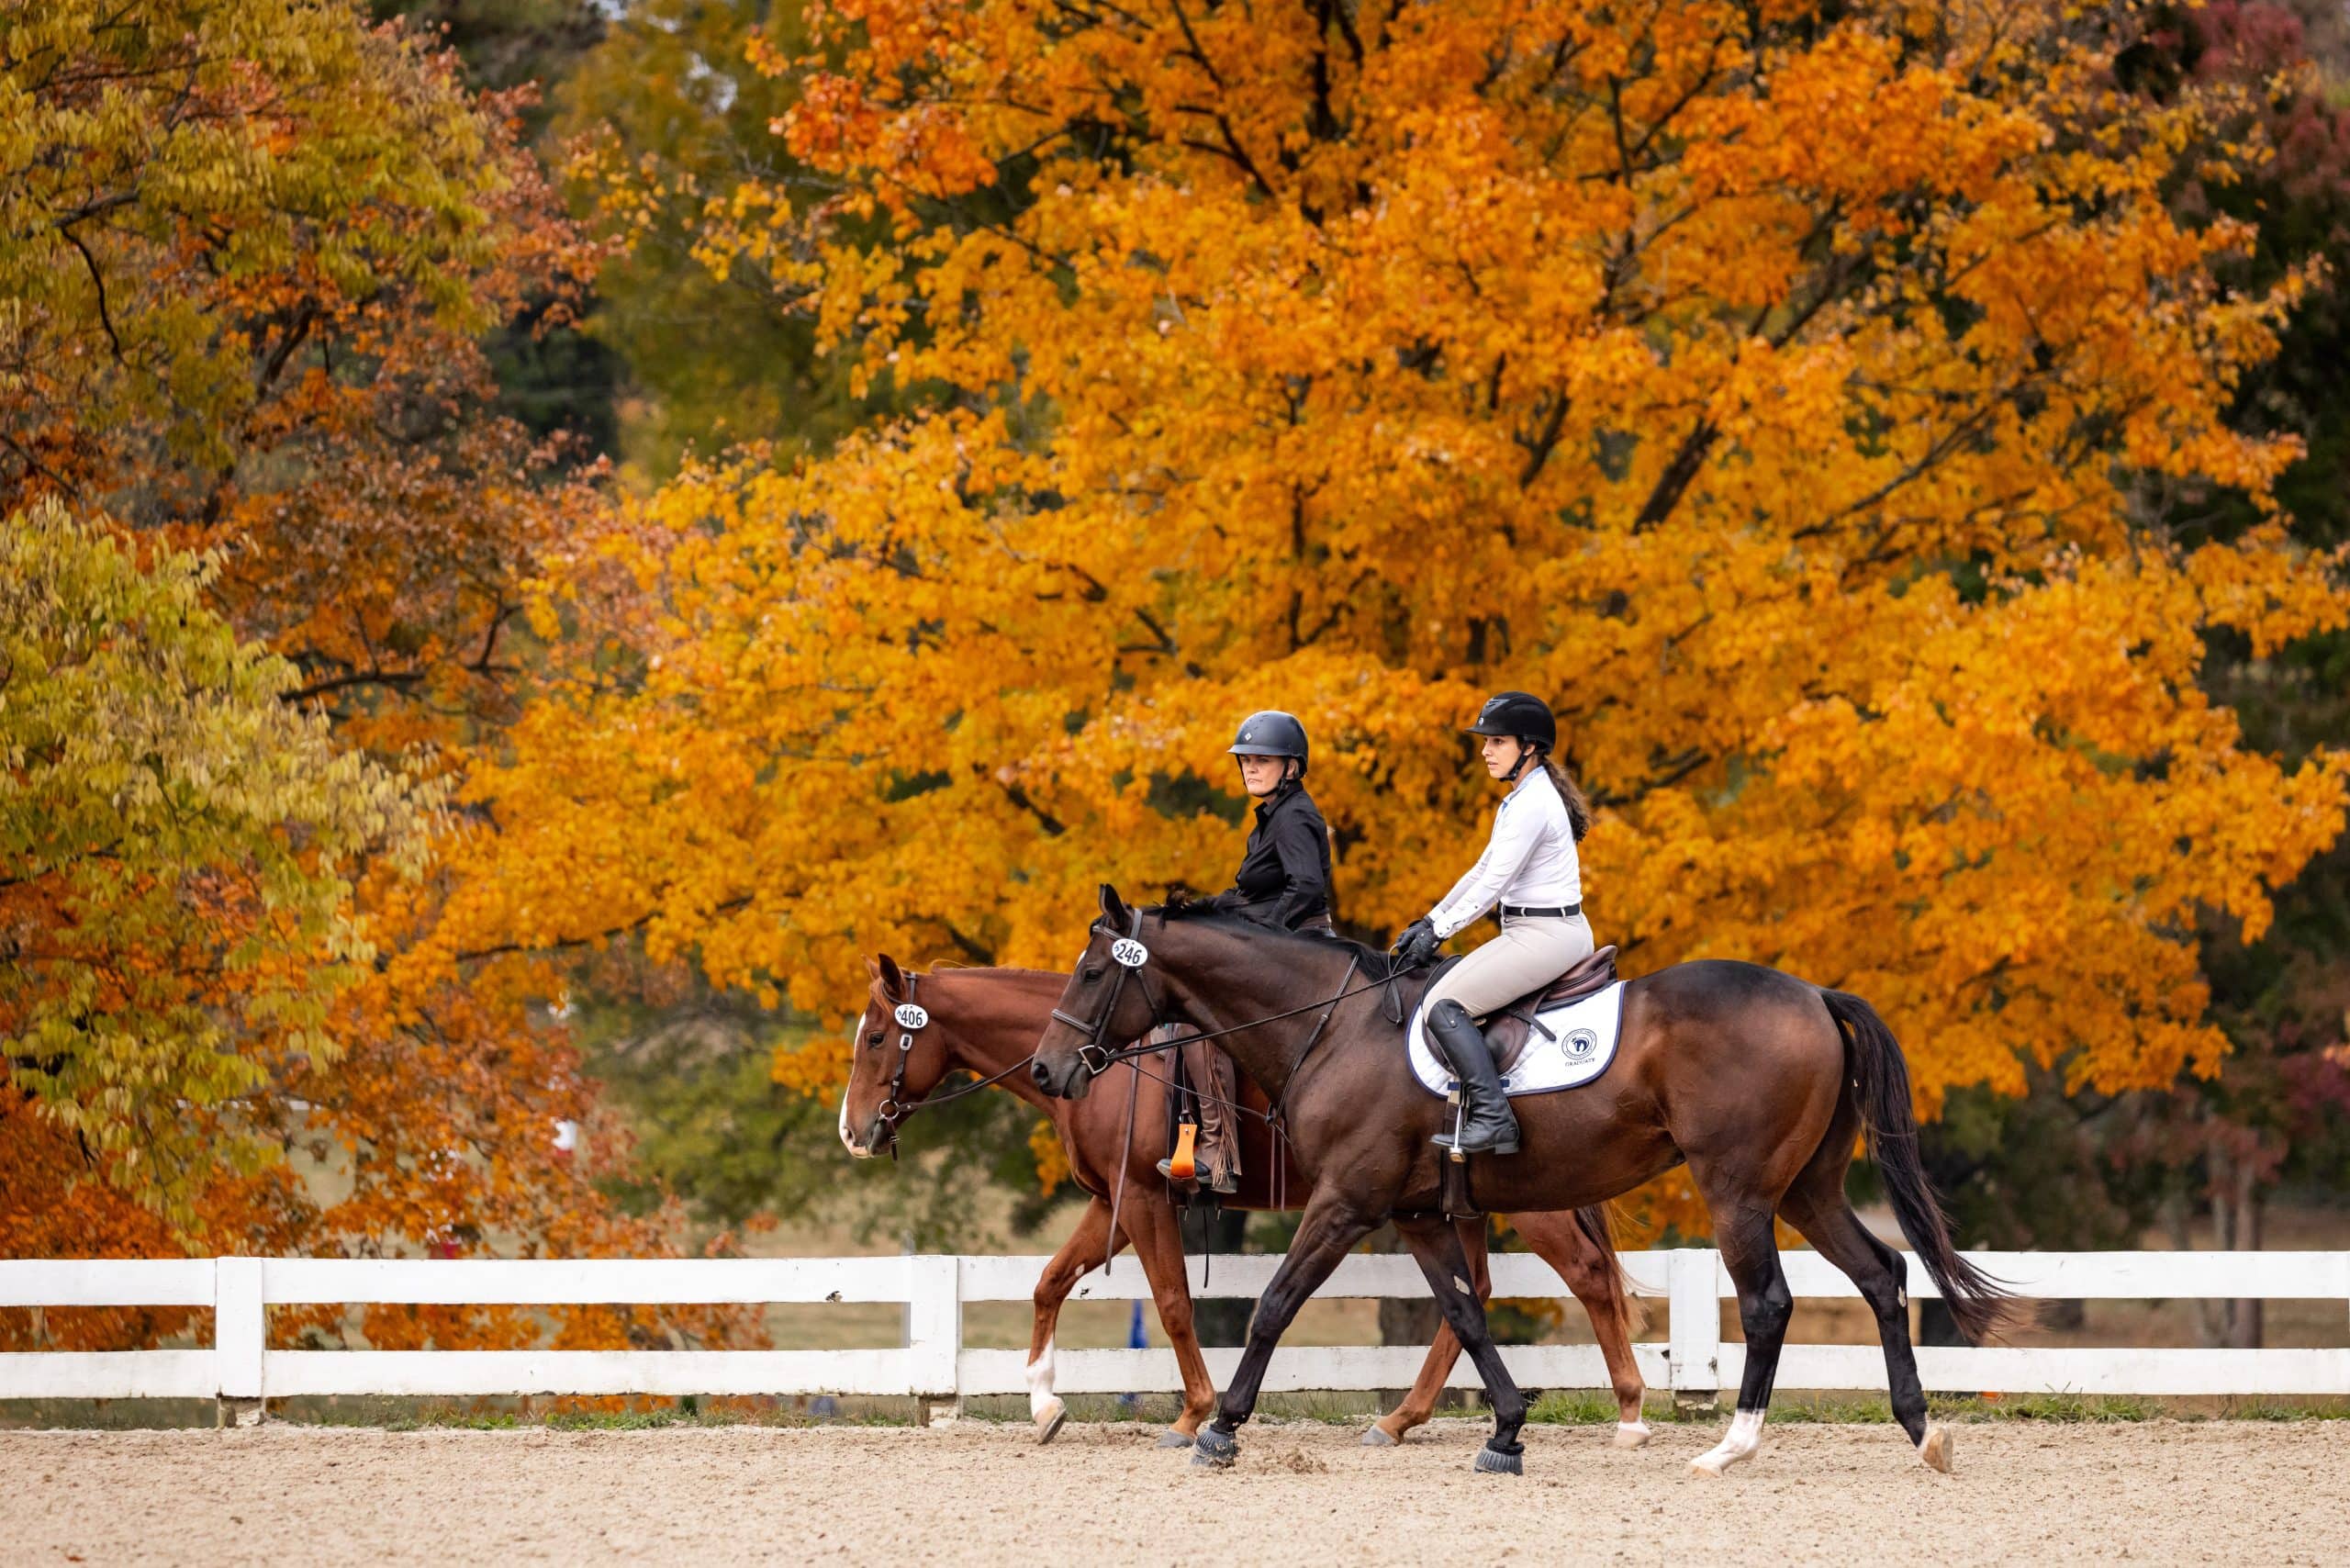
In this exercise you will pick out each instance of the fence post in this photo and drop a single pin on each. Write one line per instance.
(934, 1337)
(1694, 1327)
(239, 1336)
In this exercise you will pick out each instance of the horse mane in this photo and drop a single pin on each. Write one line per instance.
(1184, 906)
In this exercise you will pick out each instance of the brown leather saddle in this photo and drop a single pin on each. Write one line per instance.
(1511, 1029)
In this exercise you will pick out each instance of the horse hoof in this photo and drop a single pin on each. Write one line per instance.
(1174, 1440)
(1213, 1449)
(1048, 1422)
(1935, 1450)
(1631, 1435)
(1379, 1438)
(1493, 1461)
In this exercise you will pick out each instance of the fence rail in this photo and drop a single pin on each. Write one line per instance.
(934, 1364)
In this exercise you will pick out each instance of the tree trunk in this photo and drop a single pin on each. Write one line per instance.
(2235, 1209)
(2236, 1214)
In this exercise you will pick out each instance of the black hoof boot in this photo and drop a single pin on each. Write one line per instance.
(1215, 1450)
(1492, 1460)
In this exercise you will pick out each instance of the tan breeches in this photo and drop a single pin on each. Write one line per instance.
(1526, 956)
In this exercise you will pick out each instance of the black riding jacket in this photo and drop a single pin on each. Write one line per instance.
(1284, 878)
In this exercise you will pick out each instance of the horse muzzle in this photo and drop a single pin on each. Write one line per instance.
(1070, 1080)
(873, 1138)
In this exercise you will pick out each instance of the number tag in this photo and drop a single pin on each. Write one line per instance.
(1129, 952)
(909, 1017)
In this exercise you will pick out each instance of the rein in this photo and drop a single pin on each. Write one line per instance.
(1131, 956)
(1098, 1057)
(895, 1109)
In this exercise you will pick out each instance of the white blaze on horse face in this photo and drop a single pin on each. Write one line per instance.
(1745, 1436)
(1040, 1384)
(847, 1140)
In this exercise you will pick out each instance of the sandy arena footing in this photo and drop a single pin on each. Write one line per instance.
(2151, 1491)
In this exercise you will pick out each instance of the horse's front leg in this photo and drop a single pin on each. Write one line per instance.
(1331, 1226)
(1443, 1350)
(1437, 1245)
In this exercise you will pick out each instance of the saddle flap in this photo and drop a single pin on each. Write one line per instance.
(1509, 1030)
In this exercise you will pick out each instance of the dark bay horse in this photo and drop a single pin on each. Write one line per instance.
(1760, 1081)
(986, 1022)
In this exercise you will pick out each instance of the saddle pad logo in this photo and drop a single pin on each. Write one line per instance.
(911, 1016)
(1580, 1044)
(1129, 952)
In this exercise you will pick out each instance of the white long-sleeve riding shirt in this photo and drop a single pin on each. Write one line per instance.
(1529, 862)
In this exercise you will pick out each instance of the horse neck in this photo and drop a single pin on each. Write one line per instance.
(1220, 987)
(994, 1020)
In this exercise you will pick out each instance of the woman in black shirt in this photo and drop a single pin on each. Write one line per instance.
(1284, 882)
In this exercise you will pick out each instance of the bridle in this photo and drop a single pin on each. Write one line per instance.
(911, 1017)
(1131, 956)
(1097, 1056)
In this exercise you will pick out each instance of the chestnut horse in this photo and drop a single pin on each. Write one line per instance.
(1760, 1081)
(986, 1022)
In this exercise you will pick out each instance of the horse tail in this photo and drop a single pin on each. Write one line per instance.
(1977, 1303)
(1598, 1224)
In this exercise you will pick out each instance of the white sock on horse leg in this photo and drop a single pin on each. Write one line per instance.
(1744, 1437)
(1040, 1385)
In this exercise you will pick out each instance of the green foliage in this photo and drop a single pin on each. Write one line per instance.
(507, 43)
(711, 1126)
(713, 1129)
(714, 356)
(175, 848)
(193, 193)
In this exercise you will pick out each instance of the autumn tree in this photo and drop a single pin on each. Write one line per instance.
(1780, 390)
(251, 250)
(2203, 1157)
(176, 848)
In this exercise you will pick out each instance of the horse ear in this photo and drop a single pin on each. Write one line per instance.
(892, 979)
(1113, 908)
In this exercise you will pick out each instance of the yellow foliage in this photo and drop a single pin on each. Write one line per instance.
(1775, 390)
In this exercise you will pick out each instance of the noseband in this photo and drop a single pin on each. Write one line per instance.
(911, 1015)
(1096, 1054)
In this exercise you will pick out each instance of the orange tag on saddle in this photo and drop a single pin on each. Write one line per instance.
(1182, 1167)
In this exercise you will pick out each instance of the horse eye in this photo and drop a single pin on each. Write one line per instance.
(874, 1038)
(1092, 972)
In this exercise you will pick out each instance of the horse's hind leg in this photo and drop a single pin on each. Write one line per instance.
(1816, 1205)
(1443, 1351)
(1328, 1232)
(1151, 1223)
(1086, 1247)
(1591, 1272)
(1438, 1247)
(1750, 1252)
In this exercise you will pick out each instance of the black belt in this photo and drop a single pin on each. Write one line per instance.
(1519, 911)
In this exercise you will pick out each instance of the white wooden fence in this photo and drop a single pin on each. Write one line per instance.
(934, 1364)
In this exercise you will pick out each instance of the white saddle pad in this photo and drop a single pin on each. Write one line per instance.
(1580, 1043)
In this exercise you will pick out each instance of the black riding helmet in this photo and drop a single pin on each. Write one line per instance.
(1520, 716)
(1271, 734)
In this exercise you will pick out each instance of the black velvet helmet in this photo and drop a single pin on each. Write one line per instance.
(1271, 734)
(1520, 716)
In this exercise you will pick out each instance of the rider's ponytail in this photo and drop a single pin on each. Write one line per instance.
(1578, 805)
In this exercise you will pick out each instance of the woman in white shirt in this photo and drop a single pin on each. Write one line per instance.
(1531, 870)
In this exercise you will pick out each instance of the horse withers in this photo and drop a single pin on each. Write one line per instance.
(918, 1028)
(1762, 1083)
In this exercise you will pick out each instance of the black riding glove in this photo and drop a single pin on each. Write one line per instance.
(1419, 942)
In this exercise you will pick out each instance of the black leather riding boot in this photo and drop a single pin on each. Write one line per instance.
(1486, 1125)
